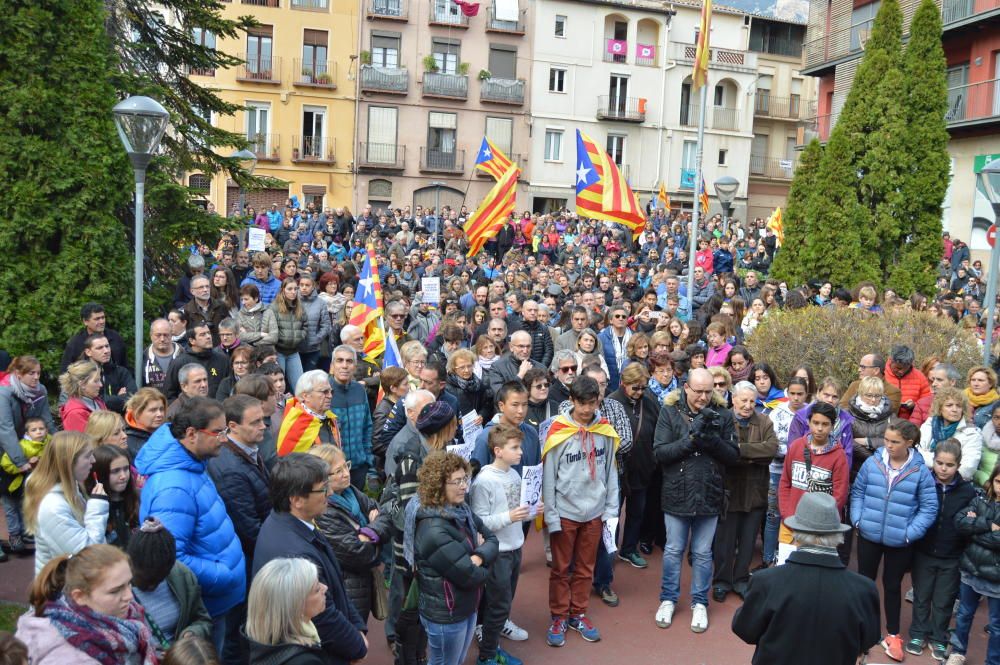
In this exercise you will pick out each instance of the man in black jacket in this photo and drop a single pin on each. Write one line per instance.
(811, 600)
(299, 488)
(201, 351)
(514, 364)
(542, 347)
(117, 383)
(241, 480)
(94, 321)
(694, 441)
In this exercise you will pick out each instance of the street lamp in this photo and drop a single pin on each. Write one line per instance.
(989, 179)
(725, 189)
(141, 122)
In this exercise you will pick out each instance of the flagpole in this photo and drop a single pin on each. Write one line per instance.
(693, 234)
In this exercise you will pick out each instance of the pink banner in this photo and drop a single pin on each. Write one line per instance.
(617, 46)
(647, 51)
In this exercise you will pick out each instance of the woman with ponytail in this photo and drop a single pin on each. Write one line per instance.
(83, 612)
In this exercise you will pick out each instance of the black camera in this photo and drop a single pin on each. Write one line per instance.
(703, 423)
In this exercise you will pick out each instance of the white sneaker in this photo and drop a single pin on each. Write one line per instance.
(955, 659)
(665, 615)
(479, 633)
(699, 618)
(513, 632)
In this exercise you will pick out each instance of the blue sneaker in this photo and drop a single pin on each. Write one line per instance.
(504, 658)
(581, 624)
(557, 632)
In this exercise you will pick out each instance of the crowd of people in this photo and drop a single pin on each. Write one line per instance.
(268, 491)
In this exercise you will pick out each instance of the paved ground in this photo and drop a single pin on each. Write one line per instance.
(629, 633)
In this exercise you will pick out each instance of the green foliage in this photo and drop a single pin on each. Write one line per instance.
(790, 263)
(64, 175)
(925, 181)
(831, 340)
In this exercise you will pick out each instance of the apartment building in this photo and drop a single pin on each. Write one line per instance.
(835, 41)
(621, 73)
(432, 83)
(297, 85)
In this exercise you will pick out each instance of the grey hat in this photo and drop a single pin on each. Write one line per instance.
(816, 513)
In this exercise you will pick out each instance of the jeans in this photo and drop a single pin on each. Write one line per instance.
(772, 521)
(291, 365)
(448, 643)
(12, 510)
(635, 509)
(310, 360)
(604, 567)
(968, 602)
(895, 562)
(219, 633)
(701, 532)
(935, 587)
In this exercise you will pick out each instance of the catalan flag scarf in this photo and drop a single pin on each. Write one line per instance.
(300, 428)
(563, 428)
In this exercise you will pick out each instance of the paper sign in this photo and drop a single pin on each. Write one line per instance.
(256, 240)
(471, 426)
(463, 450)
(431, 287)
(608, 535)
(784, 549)
(531, 487)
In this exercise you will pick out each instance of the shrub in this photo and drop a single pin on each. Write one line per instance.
(831, 340)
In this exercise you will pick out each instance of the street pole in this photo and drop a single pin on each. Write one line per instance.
(727, 209)
(437, 211)
(693, 235)
(140, 194)
(991, 293)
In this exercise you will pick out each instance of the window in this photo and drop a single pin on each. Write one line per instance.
(446, 52)
(560, 29)
(763, 100)
(553, 145)
(618, 96)
(259, 46)
(199, 182)
(381, 148)
(313, 121)
(503, 61)
(441, 130)
(501, 132)
(620, 34)
(862, 20)
(722, 157)
(446, 11)
(203, 37)
(795, 98)
(314, 51)
(720, 95)
(616, 148)
(688, 155)
(258, 122)
(776, 38)
(557, 80)
(385, 50)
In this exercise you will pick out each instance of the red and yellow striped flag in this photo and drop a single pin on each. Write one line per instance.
(775, 224)
(493, 212)
(663, 197)
(299, 430)
(703, 197)
(702, 53)
(492, 160)
(601, 190)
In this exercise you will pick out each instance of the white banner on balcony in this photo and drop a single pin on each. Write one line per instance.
(506, 10)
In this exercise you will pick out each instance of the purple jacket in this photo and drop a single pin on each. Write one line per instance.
(843, 430)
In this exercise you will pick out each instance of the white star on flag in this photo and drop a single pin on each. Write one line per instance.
(487, 154)
(365, 285)
(581, 174)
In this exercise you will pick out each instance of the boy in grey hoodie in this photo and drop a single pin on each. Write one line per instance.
(580, 492)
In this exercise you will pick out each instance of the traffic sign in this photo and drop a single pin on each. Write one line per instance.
(991, 235)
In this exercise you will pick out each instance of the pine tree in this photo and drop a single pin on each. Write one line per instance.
(790, 263)
(63, 173)
(926, 144)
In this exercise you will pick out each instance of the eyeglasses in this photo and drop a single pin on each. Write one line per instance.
(324, 391)
(719, 384)
(703, 393)
(872, 396)
(397, 316)
(461, 482)
(346, 468)
(567, 370)
(324, 489)
(638, 387)
(541, 386)
(217, 434)
(618, 316)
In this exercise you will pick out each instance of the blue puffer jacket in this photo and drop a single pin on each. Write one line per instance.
(895, 516)
(180, 493)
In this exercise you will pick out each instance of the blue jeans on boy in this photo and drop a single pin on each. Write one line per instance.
(772, 521)
(12, 510)
(448, 643)
(701, 532)
(968, 602)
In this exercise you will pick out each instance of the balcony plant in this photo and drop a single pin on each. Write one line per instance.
(484, 75)
(463, 68)
(366, 57)
(430, 64)
(325, 78)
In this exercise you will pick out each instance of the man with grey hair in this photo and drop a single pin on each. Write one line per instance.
(367, 372)
(159, 354)
(182, 293)
(944, 375)
(901, 373)
(746, 484)
(312, 422)
(514, 364)
(395, 316)
(813, 599)
(194, 383)
(541, 339)
(409, 437)
(354, 419)
(202, 309)
(563, 368)
(496, 330)
(872, 364)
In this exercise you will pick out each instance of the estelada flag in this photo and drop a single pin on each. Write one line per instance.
(492, 160)
(300, 430)
(601, 190)
(368, 298)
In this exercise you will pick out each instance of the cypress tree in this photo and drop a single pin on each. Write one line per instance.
(926, 144)
(790, 263)
(63, 173)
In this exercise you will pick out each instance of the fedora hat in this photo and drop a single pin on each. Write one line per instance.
(816, 513)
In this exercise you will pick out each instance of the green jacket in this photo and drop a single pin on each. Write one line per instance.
(193, 618)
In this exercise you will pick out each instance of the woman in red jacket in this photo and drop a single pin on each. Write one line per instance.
(814, 463)
(82, 385)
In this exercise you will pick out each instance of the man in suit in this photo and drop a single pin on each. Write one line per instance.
(299, 489)
(812, 607)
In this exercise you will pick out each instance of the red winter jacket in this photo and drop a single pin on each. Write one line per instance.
(913, 386)
(831, 464)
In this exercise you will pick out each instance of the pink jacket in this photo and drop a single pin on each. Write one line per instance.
(46, 645)
(75, 414)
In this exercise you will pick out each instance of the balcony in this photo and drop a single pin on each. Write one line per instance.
(266, 147)
(493, 24)
(513, 157)
(445, 12)
(260, 70)
(390, 80)
(311, 5)
(825, 51)
(973, 104)
(435, 160)
(958, 13)
(446, 86)
(261, 3)
(687, 178)
(645, 56)
(317, 149)
(626, 109)
(391, 10)
(200, 71)
(615, 50)
(767, 105)
(771, 167)
(725, 59)
(816, 127)
(316, 73)
(502, 91)
(718, 117)
(381, 156)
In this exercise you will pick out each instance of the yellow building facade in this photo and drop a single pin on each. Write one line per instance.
(298, 87)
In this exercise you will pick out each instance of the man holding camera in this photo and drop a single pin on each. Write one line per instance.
(695, 440)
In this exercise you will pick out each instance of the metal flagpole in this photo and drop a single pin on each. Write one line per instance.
(693, 234)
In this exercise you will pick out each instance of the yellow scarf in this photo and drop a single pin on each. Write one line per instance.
(982, 400)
